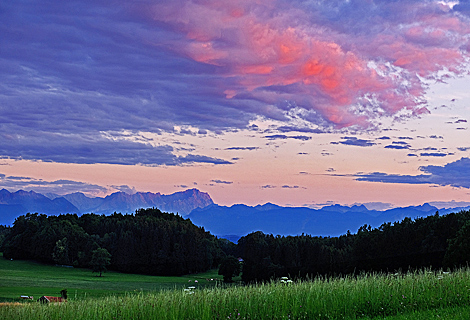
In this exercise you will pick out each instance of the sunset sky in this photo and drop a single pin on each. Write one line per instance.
(294, 102)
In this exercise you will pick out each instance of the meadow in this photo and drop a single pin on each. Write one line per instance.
(22, 277)
(418, 295)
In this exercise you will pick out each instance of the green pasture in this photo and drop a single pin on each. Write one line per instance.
(19, 277)
(421, 295)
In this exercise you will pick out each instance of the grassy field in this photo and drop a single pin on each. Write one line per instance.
(420, 295)
(35, 279)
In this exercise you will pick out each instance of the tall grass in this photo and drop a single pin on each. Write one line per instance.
(367, 296)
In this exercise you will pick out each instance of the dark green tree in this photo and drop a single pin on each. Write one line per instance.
(99, 260)
(61, 252)
(458, 250)
(229, 267)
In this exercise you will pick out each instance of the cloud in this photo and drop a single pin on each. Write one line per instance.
(290, 187)
(81, 68)
(268, 186)
(398, 145)
(354, 141)
(242, 148)
(194, 158)
(94, 149)
(332, 60)
(463, 6)
(449, 204)
(283, 137)
(125, 189)
(455, 174)
(60, 187)
(433, 154)
(299, 129)
(379, 206)
(221, 181)
(286, 186)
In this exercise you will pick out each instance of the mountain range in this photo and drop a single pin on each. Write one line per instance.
(226, 222)
(232, 222)
(14, 204)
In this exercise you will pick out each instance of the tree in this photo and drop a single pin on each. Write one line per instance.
(100, 259)
(458, 250)
(229, 267)
(61, 252)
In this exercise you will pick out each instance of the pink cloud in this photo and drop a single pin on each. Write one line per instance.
(270, 51)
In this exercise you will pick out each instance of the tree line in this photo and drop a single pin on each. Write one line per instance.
(149, 241)
(431, 242)
(153, 242)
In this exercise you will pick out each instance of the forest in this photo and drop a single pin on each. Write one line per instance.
(148, 242)
(432, 242)
(157, 243)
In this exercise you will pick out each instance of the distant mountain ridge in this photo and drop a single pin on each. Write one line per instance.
(226, 222)
(14, 204)
(239, 220)
(182, 202)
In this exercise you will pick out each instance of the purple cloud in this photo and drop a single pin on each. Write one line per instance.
(456, 174)
(221, 181)
(90, 150)
(70, 70)
(283, 137)
(354, 141)
(61, 187)
(398, 145)
(433, 154)
(242, 148)
(268, 186)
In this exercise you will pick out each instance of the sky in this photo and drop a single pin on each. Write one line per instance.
(294, 102)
